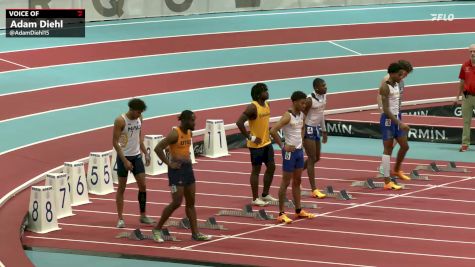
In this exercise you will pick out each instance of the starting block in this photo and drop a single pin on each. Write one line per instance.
(451, 167)
(371, 184)
(185, 224)
(247, 212)
(138, 235)
(341, 195)
(431, 167)
(416, 176)
(290, 204)
(42, 210)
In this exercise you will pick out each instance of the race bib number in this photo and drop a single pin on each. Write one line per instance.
(309, 130)
(387, 122)
(288, 155)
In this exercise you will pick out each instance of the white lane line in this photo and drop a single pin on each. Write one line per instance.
(224, 32)
(262, 46)
(287, 227)
(330, 212)
(319, 215)
(14, 63)
(346, 48)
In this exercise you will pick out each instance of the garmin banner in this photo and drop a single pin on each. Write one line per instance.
(98, 10)
(443, 111)
(416, 133)
(364, 130)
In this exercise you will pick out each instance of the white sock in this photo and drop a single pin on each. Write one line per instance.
(386, 163)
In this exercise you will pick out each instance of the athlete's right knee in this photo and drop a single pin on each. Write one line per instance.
(121, 189)
(313, 159)
(404, 146)
(388, 148)
(256, 169)
(270, 167)
(285, 183)
(176, 203)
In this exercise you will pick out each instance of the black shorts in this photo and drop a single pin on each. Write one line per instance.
(136, 162)
(182, 176)
(262, 155)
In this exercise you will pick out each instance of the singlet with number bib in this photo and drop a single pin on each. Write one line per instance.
(129, 139)
(293, 130)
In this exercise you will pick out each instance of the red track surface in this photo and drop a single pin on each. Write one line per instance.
(42, 157)
(339, 236)
(120, 88)
(5, 66)
(84, 53)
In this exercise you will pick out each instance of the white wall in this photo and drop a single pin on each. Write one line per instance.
(124, 9)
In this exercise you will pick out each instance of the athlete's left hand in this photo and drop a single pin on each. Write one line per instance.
(404, 126)
(325, 137)
(147, 160)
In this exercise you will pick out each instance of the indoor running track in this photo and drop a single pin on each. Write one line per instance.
(429, 224)
(60, 97)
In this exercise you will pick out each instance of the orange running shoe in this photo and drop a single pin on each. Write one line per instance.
(400, 175)
(392, 186)
(284, 219)
(317, 194)
(304, 214)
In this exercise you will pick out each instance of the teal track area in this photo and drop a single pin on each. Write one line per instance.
(60, 97)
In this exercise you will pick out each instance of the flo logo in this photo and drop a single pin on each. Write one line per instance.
(116, 8)
(443, 17)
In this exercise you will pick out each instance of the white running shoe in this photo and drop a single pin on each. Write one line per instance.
(147, 220)
(259, 202)
(269, 198)
(121, 224)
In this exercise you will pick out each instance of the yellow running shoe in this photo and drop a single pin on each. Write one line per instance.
(284, 219)
(304, 214)
(401, 175)
(317, 194)
(392, 186)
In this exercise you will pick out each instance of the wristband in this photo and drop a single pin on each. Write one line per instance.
(252, 138)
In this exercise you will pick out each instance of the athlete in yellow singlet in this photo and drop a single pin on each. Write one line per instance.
(258, 142)
(180, 175)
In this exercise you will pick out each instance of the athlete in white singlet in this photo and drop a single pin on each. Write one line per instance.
(315, 130)
(291, 123)
(392, 128)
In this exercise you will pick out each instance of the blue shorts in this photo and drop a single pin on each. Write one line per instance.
(292, 160)
(262, 155)
(182, 176)
(312, 133)
(389, 129)
(136, 162)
